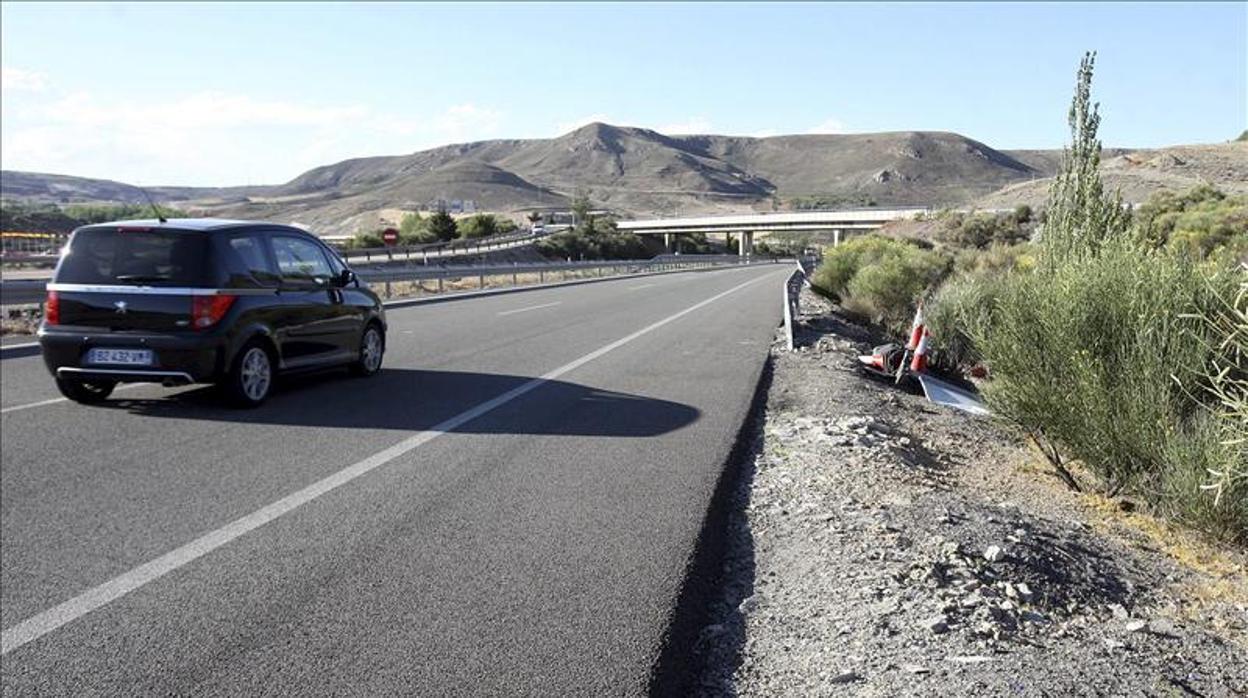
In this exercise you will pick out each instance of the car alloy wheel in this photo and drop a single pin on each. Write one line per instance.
(256, 374)
(371, 350)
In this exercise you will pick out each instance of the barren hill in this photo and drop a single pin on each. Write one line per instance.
(633, 171)
(640, 172)
(1140, 173)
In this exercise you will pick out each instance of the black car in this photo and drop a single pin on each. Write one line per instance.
(203, 301)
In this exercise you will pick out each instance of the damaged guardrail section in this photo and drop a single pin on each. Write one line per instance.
(792, 291)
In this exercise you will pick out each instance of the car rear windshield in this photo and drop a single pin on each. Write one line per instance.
(141, 257)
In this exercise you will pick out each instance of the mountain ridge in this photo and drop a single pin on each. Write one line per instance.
(632, 171)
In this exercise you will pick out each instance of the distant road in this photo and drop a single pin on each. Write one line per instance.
(506, 510)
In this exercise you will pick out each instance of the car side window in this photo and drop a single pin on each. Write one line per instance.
(335, 262)
(250, 261)
(300, 260)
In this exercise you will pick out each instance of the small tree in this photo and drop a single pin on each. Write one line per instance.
(478, 226)
(1081, 216)
(442, 225)
(410, 223)
(367, 239)
(581, 205)
(414, 230)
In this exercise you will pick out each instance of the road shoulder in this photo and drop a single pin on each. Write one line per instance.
(881, 545)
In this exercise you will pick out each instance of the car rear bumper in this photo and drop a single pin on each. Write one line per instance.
(177, 359)
(126, 375)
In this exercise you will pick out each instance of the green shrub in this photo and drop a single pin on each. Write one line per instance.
(996, 260)
(478, 226)
(880, 279)
(593, 239)
(103, 213)
(1099, 355)
(979, 230)
(1203, 222)
(1227, 376)
(1117, 349)
(414, 230)
(443, 226)
(968, 298)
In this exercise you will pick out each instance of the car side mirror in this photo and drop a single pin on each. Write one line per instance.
(346, 278)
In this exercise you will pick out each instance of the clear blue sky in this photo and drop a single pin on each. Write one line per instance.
(210, 94)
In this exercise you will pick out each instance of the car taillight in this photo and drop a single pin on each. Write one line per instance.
(52, 309)
(207, 311)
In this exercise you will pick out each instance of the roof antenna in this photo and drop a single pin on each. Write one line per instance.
(159, 216)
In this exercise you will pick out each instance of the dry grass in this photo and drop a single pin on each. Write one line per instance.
(20, 320)
(1221, 579)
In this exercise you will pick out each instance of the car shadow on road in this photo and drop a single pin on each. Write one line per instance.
(416, 400)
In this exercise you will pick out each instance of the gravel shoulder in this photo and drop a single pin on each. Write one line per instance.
(881, 545)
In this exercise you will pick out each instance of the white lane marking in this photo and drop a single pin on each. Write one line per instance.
(27, 345)
(57, 400)
(43, 623)
(638, 288)
(532, 307)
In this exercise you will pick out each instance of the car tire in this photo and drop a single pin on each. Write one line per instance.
(250, 379)
(86, 392)
(372, 350)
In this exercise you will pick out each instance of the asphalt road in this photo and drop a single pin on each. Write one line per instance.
(413, 533)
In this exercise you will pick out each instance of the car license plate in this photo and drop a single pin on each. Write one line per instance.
(120, 357)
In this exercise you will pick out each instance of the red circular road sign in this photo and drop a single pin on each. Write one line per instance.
(390, 236)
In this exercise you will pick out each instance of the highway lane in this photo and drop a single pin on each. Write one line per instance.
(536, 549)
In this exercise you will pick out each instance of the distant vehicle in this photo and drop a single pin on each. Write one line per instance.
(203, 301)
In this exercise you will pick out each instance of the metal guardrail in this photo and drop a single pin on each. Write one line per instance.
(792, 292)
(450, 248)
(426, 252)
(30, 291)
(481, 272)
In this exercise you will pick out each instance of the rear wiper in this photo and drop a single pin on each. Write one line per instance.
(142, 277)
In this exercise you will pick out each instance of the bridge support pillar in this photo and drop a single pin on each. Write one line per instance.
(836, 237)
(745, 244)
(667, 242)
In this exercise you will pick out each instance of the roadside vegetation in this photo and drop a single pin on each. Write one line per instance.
(821, 202)
(53, 218)
(592, 237)
(439, 226)
(1115, 339)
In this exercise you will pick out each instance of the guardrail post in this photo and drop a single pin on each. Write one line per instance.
(439, 284)
(387, 289)
(481, 281)
(541, 276)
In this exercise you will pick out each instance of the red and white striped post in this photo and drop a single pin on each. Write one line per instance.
(919, 363)
(916, 336)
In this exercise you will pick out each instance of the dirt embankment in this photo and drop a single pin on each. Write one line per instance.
(885, 546)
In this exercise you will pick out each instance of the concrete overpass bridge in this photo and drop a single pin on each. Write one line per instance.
(839, 223)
